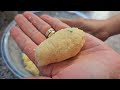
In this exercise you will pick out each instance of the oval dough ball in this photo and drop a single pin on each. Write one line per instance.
(62, 45)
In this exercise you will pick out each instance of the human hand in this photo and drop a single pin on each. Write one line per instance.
(96, 60)
(98, 28)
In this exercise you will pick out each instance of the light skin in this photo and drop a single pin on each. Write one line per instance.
(96, 60)
(101, 29)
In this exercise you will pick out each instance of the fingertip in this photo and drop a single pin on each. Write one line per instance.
(18, 16)
(13, 31)
(44, 16)
(26, 13)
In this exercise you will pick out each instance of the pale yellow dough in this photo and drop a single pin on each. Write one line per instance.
(62, 45)
(29, 65)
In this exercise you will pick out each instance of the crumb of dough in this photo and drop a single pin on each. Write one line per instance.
(29, 65)
(62, 45)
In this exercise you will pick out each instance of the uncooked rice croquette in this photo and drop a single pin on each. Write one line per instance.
(62, 45)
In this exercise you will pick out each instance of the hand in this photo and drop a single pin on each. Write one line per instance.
(98, 28)
(96, 60)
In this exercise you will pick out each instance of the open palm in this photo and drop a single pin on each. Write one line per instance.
(96, 60)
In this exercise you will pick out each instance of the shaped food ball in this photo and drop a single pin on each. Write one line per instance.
(62, 45)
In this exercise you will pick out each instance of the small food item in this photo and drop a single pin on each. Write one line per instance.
(62, 45)
(29, 65)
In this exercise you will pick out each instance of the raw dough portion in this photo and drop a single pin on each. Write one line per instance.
(29, 65)
(62, 45)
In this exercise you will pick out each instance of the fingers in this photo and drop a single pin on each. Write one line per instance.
(24, 42)
(29, 29)
(72, 22)
(54, 22)
(91, 26)
(81, 23)
(40, 24)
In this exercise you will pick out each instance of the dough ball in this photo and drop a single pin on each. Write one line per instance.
(62, 45)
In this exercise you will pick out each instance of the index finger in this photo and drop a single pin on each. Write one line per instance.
(24, 42)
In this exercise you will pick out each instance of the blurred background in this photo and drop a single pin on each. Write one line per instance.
(7, 16)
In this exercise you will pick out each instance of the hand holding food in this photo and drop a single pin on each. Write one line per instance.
(94, 60)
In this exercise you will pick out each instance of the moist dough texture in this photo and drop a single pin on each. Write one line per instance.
(62, 45)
